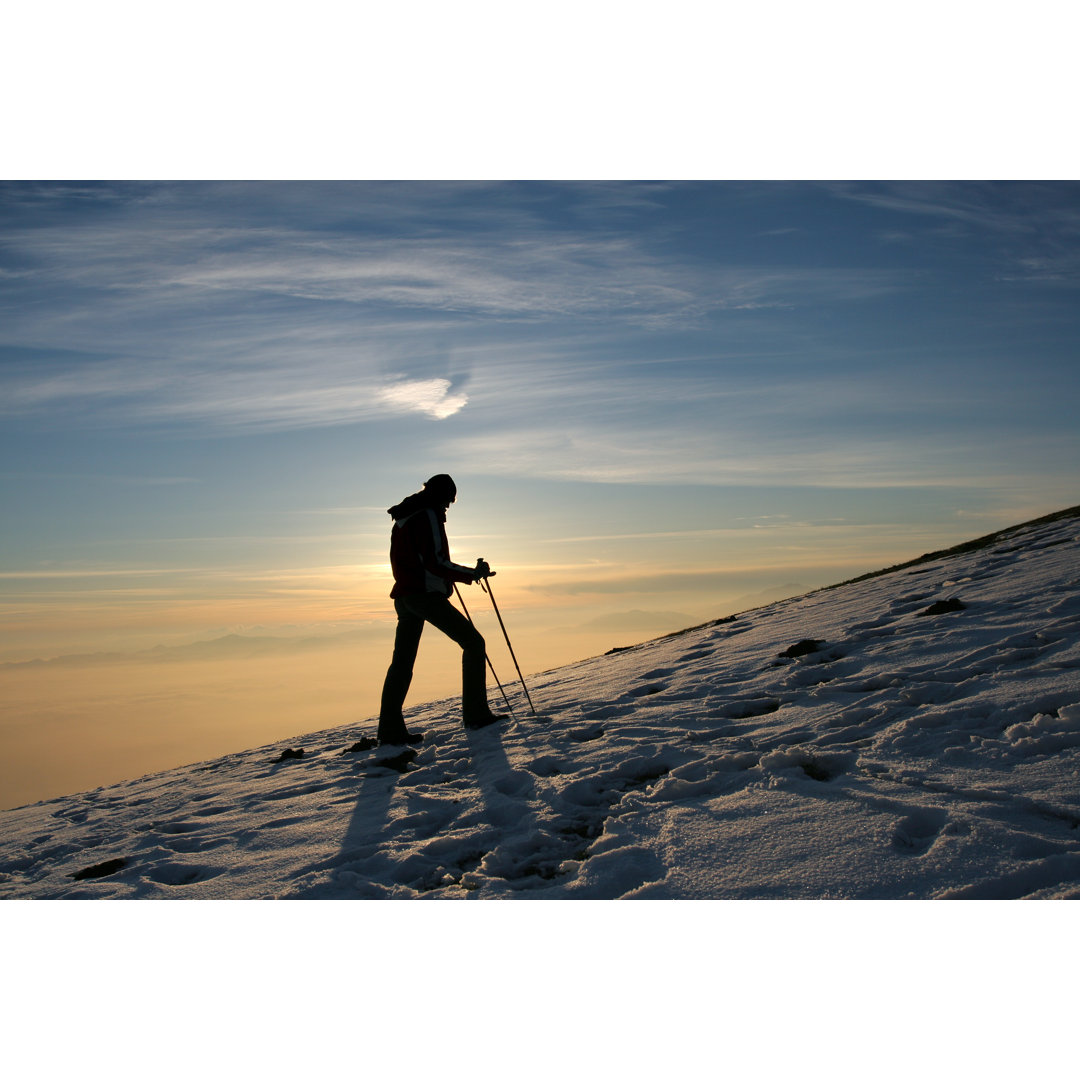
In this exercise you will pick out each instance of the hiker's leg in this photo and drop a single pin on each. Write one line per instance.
(399, 675)
(438, 611)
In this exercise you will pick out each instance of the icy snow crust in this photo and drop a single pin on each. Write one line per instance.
(906, 756)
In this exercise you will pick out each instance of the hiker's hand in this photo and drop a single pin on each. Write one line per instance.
(483, 570)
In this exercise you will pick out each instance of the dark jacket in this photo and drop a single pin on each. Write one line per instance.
(419, 551)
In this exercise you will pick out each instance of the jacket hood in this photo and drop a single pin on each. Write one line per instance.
(419, 500)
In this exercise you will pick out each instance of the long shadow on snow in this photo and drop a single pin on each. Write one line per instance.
(530, 848)
(362, 839)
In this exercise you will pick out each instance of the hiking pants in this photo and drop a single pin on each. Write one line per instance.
(412, 612)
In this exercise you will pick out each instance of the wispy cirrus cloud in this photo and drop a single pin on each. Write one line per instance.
(748, 452)
(534, 274)
(1032, 229)
(480, 249)
(195, 318)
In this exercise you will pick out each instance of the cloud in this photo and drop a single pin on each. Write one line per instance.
(530, 272)
(929, 199)
(734, 455)
(1032, 227)
(429, 396)
(327, 305)
(485, 259)
(280, 393)
(266, 307)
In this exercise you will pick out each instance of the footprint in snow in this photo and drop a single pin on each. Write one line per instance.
(943, 607)
(821, 768)
(588, 734)
(747, 708)
(429, 819)
(177, 826)
(915, 833)
(548, 766)
(173, 873)
(514, 784)
(647, 691)
(695, 654)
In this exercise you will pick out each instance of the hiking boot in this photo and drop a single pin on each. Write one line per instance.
(474, 723)
(410, 738)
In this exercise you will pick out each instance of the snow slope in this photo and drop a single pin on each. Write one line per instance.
(901, 751)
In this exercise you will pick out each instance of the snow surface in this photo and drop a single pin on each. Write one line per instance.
(895, 755)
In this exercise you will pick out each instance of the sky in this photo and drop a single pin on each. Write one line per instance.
(661, 401)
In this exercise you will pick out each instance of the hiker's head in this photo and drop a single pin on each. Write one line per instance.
(442, 489)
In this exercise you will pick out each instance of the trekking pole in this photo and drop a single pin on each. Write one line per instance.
(486, 586)
(486, 657)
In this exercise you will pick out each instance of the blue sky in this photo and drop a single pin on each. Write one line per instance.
(655, 397)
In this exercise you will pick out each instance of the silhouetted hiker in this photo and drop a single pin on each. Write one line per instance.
(424, 578)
